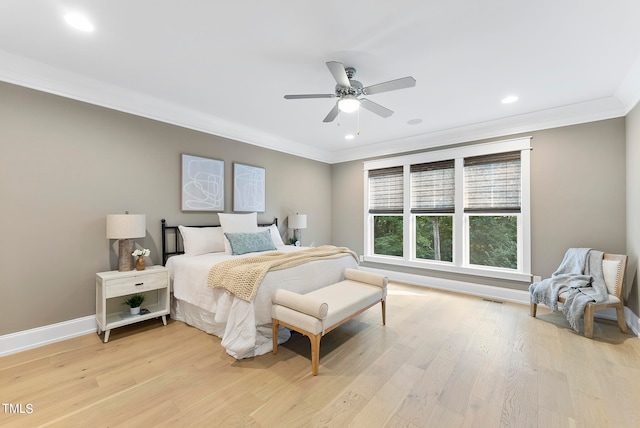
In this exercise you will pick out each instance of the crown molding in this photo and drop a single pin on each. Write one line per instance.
(36, 75)
(590, 111)
(629, 90)
(45, 78)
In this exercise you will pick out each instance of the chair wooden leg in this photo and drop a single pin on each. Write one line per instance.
(622, 323)
(533, 309)
(384, 312)
(275, 336)
(588, 321)
(315, 352)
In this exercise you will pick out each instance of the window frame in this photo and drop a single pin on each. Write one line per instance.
(460, 220)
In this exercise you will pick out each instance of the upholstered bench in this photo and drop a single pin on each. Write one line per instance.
(316, 313)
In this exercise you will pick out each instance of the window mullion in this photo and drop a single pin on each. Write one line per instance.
(525, 156)
(408, 236)
(459, 231)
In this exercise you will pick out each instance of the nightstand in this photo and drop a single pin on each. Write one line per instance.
(113, 288)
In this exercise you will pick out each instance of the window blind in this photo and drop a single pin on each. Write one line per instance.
(492, 183)
(386, 190)
(433, 187)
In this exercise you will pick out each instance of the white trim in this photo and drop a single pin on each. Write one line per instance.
(502, 146)
(460, 262)
(573, 114)
(498, 273)
(485, 291)
(40, 336)
(44, 77)
(632, 320)
(629, 90)
(492, 293)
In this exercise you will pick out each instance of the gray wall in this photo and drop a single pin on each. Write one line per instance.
(633, 208)
(577, 197)
(65, 165)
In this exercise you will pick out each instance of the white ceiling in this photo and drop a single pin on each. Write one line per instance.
(223, 67)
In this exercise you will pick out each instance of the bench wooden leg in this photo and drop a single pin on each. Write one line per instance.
(275, 336)
(315, 352)
(384, 311)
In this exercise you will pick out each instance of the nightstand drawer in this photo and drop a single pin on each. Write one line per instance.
(135, 284)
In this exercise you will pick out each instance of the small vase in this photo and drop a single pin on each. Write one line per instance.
(141, 263)
(135, 311)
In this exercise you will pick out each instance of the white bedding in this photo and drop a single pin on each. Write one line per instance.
(245, 327)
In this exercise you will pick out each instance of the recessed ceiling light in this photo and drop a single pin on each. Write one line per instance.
(349, 137)
(78, 21)
(510, 99)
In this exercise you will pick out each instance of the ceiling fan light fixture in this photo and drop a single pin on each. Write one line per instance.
(349, 104)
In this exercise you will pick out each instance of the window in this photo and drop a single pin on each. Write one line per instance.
(433, 205)
(386, 203)
(464, 209)
(492, 207)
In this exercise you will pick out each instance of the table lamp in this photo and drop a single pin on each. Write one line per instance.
(123, 227)
(298, 222)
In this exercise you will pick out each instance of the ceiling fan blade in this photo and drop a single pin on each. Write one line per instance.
(304, 96)
(375, 108)
(338, 72)
(332, 114)
(392, 85)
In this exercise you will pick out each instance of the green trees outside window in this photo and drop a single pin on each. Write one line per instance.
(434, 238)
(387, 235)
(493, 241)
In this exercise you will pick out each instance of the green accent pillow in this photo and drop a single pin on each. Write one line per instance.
(242, 243)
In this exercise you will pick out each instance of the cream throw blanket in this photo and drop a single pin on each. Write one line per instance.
(243, 275)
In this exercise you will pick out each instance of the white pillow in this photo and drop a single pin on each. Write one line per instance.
(237, 223)
(610, 271)
(275, 234)
(202, 240)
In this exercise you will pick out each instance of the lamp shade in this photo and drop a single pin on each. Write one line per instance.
(298, 221)
(125, 226)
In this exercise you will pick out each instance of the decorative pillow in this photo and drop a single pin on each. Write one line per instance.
(202, 240)
(237, 223)
(275, 234)
(610, 271)
(242, 243)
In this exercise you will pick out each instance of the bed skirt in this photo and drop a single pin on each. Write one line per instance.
(204, 320)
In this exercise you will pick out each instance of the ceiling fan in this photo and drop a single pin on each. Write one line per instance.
(349, 91)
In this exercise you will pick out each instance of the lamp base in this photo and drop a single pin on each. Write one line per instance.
(125, 259)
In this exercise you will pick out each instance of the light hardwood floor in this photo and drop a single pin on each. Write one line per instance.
(443, 360)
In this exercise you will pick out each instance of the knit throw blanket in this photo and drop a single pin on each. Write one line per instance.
(243, 275)
(580, 275)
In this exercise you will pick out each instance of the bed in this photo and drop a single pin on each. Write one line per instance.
(244, 326)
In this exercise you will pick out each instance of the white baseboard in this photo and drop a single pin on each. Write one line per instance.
(491, 293)
(29, 339)
(485, 291)
(40, 336)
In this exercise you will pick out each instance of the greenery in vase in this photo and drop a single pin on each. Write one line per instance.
(135, 301)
